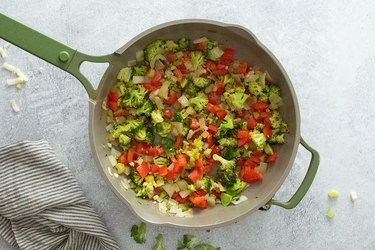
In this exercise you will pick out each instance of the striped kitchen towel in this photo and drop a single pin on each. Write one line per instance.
(41, 204)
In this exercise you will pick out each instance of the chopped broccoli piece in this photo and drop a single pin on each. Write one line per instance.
(274, 89)
(276, 137)
(190, 89)
(226, 171)
(330, 213)
(135, 178)
(153, 49)
(228, 79)
(231, 152)
(256, 88)
(138, 233)
(140, 70)
(206, 183)
(159, 245)
(259, 139)
(333, 193)
(215, 53)
(184, 82)
(228, 142)
(259, 127)
(170, 45)
(183, 43)
(124, 140)
(201, 82)
(197, 59)
(167, 143)
(199, 102)
(275, 119)
(235, 100)
(163, 128)
(126, 127)
(188, 241)
(157, 116)
(225, 126)
(145, 109)
(194, 153)
(236, 188)
(177, 117)
(141, 134)
(125, 74)
(134, 97)
(225, 199)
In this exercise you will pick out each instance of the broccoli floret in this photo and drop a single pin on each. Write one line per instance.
(276, 137)
(184, 82)
(183, 44)
(125, 74)
(225, 126)
(170, 45)
(197, 59)
(140, 70)
(126, 127)
(177, 117)
(141, 134)
(206, 183)
(188, 241)
(135, 97)
(227, 79)
(205, 246)
(124, 140)
(195, 152)
(259, 127)
(138, 233)
(225, 164)
(163, 128)
(275, 119)
(135, 178)
(153, 49)
(228, 142)
(157, 116)
(274, 89)
(145, 109)
(201, 82)
(259, 139)
(227, 177)
(191, 89)
(232, 152)
(235, 100)
(167, 143)
(199, 102)
(159, 245)
(236, 188)
(145, 191)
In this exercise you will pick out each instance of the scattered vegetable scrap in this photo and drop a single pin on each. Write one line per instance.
(19, 80)
(14, 106)
(353, 196)
(333, 193)
(159, 245)
(191, 242)
(330, 213)
(139, 233)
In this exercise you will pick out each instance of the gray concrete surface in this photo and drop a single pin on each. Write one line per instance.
(327, 48)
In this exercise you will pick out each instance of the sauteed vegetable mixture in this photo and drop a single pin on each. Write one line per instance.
(194, 126)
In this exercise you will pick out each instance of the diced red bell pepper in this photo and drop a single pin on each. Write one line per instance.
(199, 162)
(251, 123)
(212, 129)
(198, 201)
(241, 69)
(112, 106)
(195, 175)
(218, 88)
(194, 124)
(228, 56)
(143, 169)
(131, 155)
(163, 171)
(152, 151)
(154, 168)
(212, 99)
(200, 46)
(259, 106)
(221, 114)
(168, 114)
(172, 98)
(178, 142)
(122, 159)
(272, 157)
(170, 175)
(243, 137)
(177, 197)
(178, 74)
(212, 108)
(250, 175)
(267, 131)
(210, 140)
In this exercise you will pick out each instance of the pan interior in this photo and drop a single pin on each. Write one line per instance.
(247, 48)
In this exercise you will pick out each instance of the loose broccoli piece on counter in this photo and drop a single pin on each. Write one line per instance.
(159, 245)
(135, 97)
(163, 128)
(199, 102)
(236, 100)
(138, 233)
(157, 116)
(183, 44)
(197, 59)
(226, 171)
(259, 139)
(125, 74)
(201, 82)
(140, 70)
(205, 246)
(188, 241)
(153, 49)
(145, 109)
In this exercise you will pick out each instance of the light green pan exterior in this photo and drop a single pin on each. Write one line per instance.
(245, 45)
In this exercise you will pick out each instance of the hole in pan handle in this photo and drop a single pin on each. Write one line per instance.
(50, 50)
(305, 185)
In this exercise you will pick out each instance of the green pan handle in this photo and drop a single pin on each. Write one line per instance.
(305, 185)
(54, 52)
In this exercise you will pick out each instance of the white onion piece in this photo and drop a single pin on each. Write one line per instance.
(112, 160)
(159, 103)
(185, 193)
(138, 79)
(132, 63)
(241, 199)
(139, 55)
(183, 101)
(163, 91)
(15, 106)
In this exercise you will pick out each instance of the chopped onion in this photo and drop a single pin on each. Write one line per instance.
(216, 53)
(190, 134)
(268, 77)
(115, 152)
(178, 126)
(112, 160)
(242, 198)
(163, 91)
(156, 58)
(262, 79)
(125, 183)
(153, 94)
(190, 111)
(183, 101)
(9, 67)
(163, 207)
(170, 189)
(138, 79)
(262, 168)
(15, 81)
(109, 127)
(3, 53)
(202, 122)
(15, 106)
(159, 103)
(132, 63)
(353, 196)
(182, 184)
(139, 56)
(205, 134)
(201, 40)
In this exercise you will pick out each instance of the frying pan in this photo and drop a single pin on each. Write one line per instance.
(245, 44)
